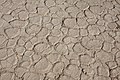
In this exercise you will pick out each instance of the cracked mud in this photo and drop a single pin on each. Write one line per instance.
(59, 39)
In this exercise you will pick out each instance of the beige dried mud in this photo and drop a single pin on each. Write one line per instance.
(59, 39)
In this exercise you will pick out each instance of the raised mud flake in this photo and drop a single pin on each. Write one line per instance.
(103, 71)
(117, 44)
(118, 58)
(97, 9)
(73, 11)
(72, 56)
(51, 76)
(2, 38)
(43, 11)
(78, 48)
(108, 4)
(40, 47)
(104, 56)
(23, 15)
(54, 9)
(18, 23)
(7, 17)
(83, 32)
(112, 64)
(6, 76)
(85, 40)
(108, 17)
(20, 71)
(58, 68)
(93, 30)
(60, 1)
(66, 78)
(31, 76)
(112, 25)
(73, 32)
(3, 53)
(101, 78)
(73, 71)
(70, 23)
(101, 22)
(31, 7)
(53, 57)
(89, 14)
(53, 39)
(12, 42)
(56, 32)
(92, 20)
(61, 48)
(68, 40)
(107, 46)
(85, 77)
(117, 37)
(86, 60)
(107, 37)
(36, 20)
(43, 32)
(82, 22)
(11, 60)
(82, 5)
(115, 72)
(49, 3)
(20, 50)
(94, 45)
(64, 30)
(33, 29)
(42, 65)
(12, 32)
(80, 14)
(56, 21)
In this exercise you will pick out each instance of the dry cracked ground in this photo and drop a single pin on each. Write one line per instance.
(59, 39)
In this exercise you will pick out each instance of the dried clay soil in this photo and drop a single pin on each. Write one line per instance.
(59, 39)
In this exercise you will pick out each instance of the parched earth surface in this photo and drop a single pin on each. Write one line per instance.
(59, 39)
